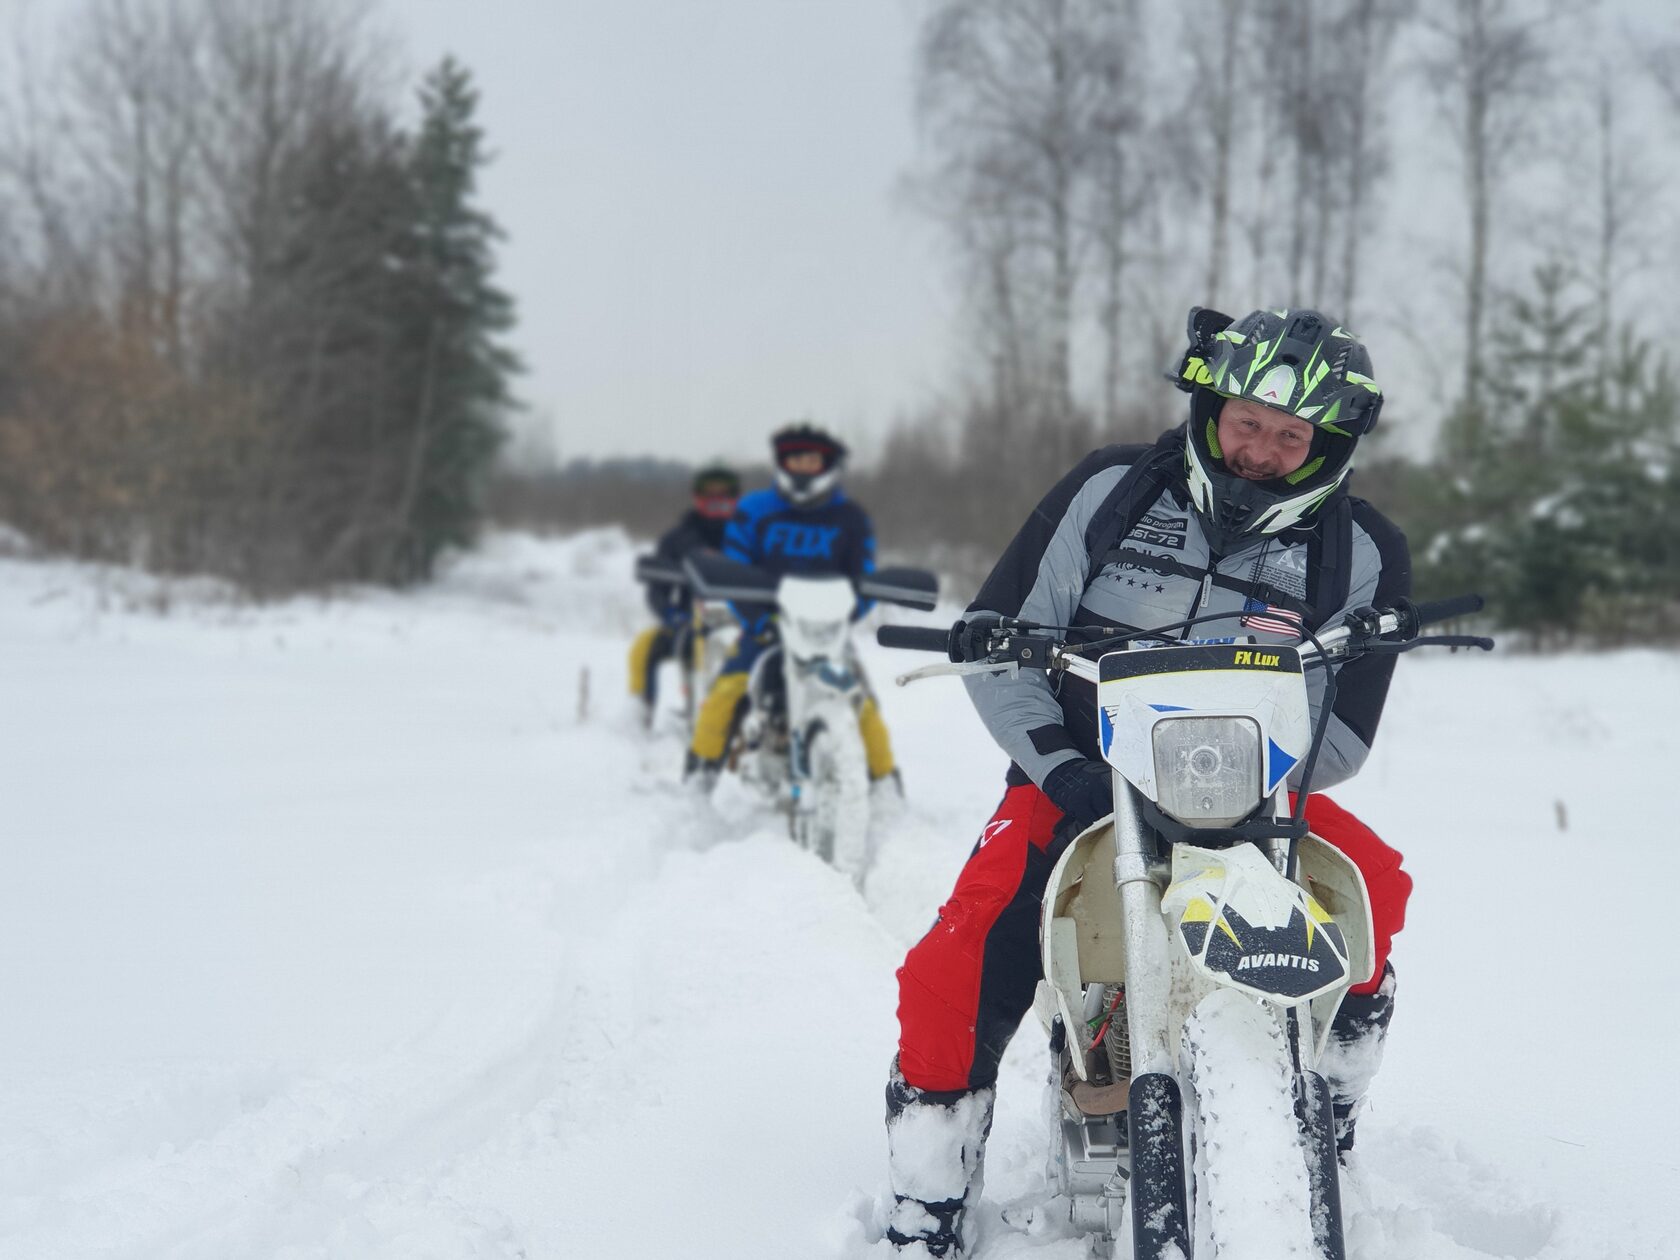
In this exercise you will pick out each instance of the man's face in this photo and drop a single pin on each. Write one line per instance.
(1261, 443)
(715, 502)
(803, 463)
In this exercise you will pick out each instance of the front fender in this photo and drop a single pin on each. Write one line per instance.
(1246, 927)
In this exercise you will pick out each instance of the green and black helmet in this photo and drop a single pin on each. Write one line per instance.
(716, 488)
(1299, 362)
(717, 479)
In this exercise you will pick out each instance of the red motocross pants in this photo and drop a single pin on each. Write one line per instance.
(965, 986)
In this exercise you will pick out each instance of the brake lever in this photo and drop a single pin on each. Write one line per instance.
(1433, 640)
(959, 668)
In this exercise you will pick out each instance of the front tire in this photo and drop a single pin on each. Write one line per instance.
(832, 818)
(1250, 1196)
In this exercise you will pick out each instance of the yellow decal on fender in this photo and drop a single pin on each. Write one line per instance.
(1315, 914)
(1200, 910)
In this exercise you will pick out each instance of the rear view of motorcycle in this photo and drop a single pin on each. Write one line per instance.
(1197, 943)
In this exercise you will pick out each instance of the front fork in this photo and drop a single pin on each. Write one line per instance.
(833, 696)
(1155, 1107)
(1297, 1024)
(1312, 1092)
(1141, 876)
(1158, 1189)
(1138, 875)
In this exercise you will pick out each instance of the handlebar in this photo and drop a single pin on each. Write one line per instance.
(916, 638)
(1002, 645)
(1014, 644)
(1445, 609)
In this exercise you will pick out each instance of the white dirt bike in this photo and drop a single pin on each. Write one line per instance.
(1197, 943)
(798, 741)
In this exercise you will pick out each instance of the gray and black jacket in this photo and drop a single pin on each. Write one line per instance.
(1162, 571)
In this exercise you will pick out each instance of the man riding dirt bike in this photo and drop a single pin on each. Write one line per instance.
(716, 492)
(803, 524)
(800, 745)
(1242, 511)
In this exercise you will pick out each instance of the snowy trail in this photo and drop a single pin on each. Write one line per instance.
(330, 930)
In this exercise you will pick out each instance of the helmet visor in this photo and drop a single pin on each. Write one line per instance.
(715, 507)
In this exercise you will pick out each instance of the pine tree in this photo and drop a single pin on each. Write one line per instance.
(316, 342)
(1622, 453)
(1497, 482)
(458, 316)
(1565, 507)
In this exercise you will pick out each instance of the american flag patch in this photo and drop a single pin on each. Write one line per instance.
(1259, 615)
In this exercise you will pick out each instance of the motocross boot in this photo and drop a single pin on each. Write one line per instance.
(889, 785)
(936, 1147)
(1354, 1053)
(700, 774)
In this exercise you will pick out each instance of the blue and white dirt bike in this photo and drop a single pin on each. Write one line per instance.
(1197, 943)
(798, 740)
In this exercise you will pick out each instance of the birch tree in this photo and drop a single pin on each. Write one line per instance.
(1124, 178)
(1488, 65)
(1014, 97)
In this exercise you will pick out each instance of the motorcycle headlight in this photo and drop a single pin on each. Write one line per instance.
(821, 635)
(1207, 769)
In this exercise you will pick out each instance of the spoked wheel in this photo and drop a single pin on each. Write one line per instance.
(831, 817)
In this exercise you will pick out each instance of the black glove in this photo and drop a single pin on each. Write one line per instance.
(1082, 790)
(1363, 621)
(972, 640)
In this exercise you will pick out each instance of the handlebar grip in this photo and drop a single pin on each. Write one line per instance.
(915, 638)
(1444, 609)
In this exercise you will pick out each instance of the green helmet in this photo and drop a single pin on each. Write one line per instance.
(1298, 362)
(717, 479)
(716, 489)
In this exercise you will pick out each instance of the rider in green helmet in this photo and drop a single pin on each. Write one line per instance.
(716, 489)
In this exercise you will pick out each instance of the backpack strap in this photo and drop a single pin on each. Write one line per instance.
(1133, 495)
(1330, 560)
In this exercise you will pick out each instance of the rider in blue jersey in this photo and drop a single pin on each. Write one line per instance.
(804, 523)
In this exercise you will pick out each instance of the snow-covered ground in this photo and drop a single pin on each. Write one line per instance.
(342, 929)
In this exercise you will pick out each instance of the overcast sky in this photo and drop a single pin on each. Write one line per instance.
(704, 236)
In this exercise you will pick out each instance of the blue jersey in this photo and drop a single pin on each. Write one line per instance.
(781, 537)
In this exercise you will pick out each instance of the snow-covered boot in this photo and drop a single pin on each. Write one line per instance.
(1354, 1053)
(888, 786)
(700, 774)
(936, 1146)
(887, 805)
